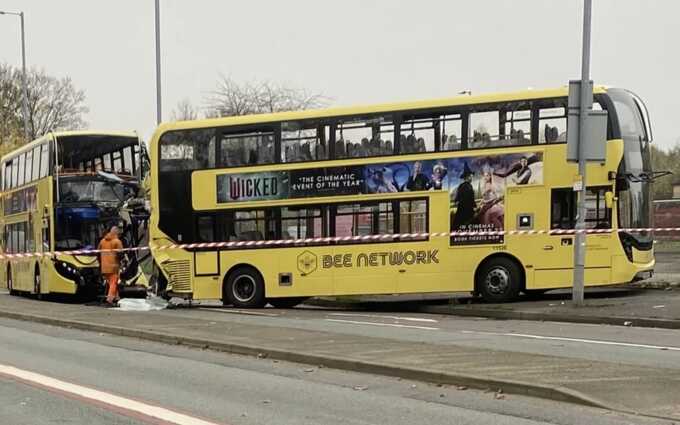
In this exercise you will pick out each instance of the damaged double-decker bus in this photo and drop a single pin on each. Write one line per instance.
(61, 193)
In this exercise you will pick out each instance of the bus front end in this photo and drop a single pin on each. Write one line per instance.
(634, 190)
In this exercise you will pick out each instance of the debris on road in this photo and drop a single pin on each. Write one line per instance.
(142, 304)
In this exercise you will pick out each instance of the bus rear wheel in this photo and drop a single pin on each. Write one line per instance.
(244, 288)
(499, 280)
(287, 302)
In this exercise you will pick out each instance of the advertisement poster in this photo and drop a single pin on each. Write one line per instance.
(476, 185)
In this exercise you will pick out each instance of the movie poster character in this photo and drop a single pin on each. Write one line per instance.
(464, 200)
(380, 180)
(521, 173)
(417, 179)
(439, 173)
(491, 211)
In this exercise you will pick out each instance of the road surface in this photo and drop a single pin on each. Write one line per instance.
(55, 375)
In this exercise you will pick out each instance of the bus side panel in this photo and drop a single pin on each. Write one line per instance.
(287, 272)
(300, 271)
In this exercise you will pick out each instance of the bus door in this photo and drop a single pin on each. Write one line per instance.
(554, 265)
(549, 255)
(598, 245)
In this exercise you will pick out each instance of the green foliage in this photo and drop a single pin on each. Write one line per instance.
(666, 160)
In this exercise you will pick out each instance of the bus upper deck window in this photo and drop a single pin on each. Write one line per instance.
(451, 132)
(253, 147)
(357, 137)
(304, 141)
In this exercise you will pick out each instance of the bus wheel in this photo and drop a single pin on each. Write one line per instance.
(499, 280)
(10, 284)
(244, 288)
(36, 283)
(287, 302)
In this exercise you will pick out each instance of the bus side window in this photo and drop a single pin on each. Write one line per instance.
(304, 141)
(6, 182)
(418, 134)
(484, 129)
(29, 167)
(562, 209)
(598, 216)
(45, 160)
(246, 148)
(451, 132)
(552, 121)
(357, 137)
(205, 228)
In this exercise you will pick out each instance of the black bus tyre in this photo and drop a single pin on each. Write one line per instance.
(499, 280)
(37, 283)
(244, 288)
(10, 284)
(286, 302)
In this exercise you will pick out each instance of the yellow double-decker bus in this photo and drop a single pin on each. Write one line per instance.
(60, 192)
(363, 200)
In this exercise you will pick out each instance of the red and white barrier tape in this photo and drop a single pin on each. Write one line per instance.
(306, 241)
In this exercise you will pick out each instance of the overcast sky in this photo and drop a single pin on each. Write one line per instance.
(354, 51)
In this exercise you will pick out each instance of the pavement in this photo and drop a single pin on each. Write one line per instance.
(190, 386)
(618, 368)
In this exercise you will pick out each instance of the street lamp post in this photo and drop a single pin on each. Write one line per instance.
(159, 114)
(23, 71)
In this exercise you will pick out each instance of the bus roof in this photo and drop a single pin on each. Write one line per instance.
(370, 109)
(65, 134)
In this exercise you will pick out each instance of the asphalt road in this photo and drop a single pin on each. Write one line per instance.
(49, 375)
(667, 262)
(629, 345)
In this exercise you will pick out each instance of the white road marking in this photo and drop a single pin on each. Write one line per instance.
(412, 319)
(587, 341)
(101, 397)
(246, 312)
(394, 325)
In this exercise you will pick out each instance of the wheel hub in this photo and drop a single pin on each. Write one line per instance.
(498, 280)
(244, 288)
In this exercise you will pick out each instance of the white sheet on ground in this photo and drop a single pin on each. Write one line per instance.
(136, 304)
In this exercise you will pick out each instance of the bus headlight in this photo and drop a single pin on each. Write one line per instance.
(66, 270)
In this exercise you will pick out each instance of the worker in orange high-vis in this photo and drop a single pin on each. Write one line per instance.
(109, 264)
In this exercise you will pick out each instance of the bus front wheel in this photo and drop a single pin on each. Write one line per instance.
(499, 280)
(244, 288)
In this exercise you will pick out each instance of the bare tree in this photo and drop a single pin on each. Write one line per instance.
(231, 98)
(53, 103)
(184, 111)
(11, 120)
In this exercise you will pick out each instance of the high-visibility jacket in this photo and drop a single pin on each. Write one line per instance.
(109, 260)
